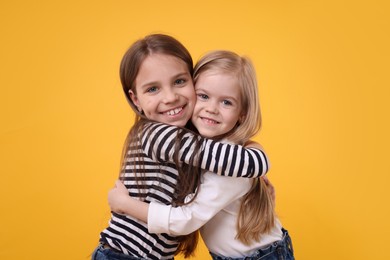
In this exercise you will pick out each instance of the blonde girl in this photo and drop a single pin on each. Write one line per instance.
(156, 76)
(236, 216)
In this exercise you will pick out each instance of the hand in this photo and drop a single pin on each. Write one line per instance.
(118, 197)
(270, 187)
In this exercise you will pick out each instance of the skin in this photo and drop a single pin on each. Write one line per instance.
(216, 112)
(218, 106)
(164, 90)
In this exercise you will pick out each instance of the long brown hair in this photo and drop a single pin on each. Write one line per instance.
(188, 176)
(257, 210)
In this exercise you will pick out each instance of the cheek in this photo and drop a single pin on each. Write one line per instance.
(191, 97)
(147, 104)
(195, 113)
(198, 106)
(233, 118)
(190, 92)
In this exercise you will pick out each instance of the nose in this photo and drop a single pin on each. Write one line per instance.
(170, 95)
(212, 108)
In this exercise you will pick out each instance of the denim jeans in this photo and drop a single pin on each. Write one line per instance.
(279, 250)
(102, 253)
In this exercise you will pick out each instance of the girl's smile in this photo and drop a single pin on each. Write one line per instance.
(164, 90)
(218, 106)
(174, 111)
(210, 121)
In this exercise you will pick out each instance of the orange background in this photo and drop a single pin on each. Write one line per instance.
(323, 69)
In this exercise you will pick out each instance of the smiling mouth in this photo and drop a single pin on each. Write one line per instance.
(173, 112)
(209, 121)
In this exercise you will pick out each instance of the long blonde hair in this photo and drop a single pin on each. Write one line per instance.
(257, 210)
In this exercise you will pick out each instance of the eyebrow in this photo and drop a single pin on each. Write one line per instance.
(181, 74)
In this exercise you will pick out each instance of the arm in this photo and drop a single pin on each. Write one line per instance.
(158, 142)
(215, 193)
(253, 144)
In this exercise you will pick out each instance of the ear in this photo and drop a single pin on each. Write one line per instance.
(135, 100)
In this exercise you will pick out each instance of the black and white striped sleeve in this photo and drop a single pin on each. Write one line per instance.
(225, 159)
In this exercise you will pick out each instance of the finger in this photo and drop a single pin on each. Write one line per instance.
(118, 183)
(121, 185)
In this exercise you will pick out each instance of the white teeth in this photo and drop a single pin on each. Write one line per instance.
(210, 121)
(174, 111)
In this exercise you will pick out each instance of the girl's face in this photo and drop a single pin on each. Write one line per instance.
(164, 90)
(218, 106)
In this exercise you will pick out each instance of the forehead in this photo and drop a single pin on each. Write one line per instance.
(157, 59)
(158, 67)
(219, 84)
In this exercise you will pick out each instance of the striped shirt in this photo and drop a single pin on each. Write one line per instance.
(158, 175)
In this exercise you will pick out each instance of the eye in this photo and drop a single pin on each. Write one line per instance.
(203, 96)
(180, 81)
(151, 89)
(227, 102)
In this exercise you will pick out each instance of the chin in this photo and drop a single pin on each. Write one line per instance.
(179, 123)
(207, 134)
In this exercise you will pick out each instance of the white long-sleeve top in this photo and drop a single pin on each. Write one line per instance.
(215, 211)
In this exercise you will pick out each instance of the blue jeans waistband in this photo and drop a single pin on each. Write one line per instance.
(103, 252)
(282, 249)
